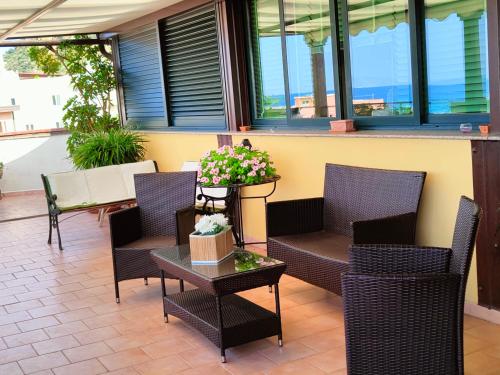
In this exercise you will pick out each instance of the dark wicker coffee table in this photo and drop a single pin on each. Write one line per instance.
(223, 317)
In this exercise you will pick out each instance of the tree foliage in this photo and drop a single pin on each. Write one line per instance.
(92, 78)
(18, 60)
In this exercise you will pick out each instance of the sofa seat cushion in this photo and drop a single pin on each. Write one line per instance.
(149, 243)
(318, 258)
(325, 244)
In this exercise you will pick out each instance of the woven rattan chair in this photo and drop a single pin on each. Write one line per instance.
(360, 205)
(404, 305)
(164, 216)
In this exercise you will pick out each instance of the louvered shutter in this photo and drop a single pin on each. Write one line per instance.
(141, 75)
(192, 69)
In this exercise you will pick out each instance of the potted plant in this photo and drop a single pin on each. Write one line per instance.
(235, 164)
(113, 147)
(212, 240)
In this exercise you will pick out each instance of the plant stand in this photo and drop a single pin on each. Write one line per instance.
(234, 207)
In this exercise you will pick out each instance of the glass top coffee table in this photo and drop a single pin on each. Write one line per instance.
(223, 317)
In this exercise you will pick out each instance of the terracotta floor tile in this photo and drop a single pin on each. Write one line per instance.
(14, 318)
(479, 363)
(295, 367)
(46, 310)
(66, 329)
(289, 352)
(8, 330)
(23, 306)
(123, 359)
(489, 333)
(167, 365)
(201, 356)
(325, 340)
(30, 325)
(25, 338)
(95, 335)
(17, 353)
(212, 370)
(88, 351)
(70, 316)
(11, 369)
(164, 348)
(247, 364)
(90, 323)
(329, 361)
(43, 362)
(55, 345)
(124, 371)
(90, 367)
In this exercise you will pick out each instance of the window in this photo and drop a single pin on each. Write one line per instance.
(402, 63)
(29, 127)
(56, 99)
(58, 124)
(457, 72)
(13, 101)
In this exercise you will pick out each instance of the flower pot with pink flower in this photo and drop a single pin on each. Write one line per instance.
(238, 164)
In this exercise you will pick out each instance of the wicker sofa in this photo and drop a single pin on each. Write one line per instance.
(360, 206)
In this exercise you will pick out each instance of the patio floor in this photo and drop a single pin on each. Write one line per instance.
(58, 316)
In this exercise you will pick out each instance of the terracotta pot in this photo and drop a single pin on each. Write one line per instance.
(244, 128)
(342, 126)
(484, 128)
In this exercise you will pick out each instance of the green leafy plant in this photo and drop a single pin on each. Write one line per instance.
(231, 165)
(209, 225)
(102, 148)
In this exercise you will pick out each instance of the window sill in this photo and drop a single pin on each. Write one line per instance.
(389, 134)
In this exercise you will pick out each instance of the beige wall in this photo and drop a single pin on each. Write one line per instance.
(300, 161)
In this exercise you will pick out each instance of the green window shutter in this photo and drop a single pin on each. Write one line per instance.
(143, 93)
(192, 69)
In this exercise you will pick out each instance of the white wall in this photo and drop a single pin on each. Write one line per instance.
(25, 158)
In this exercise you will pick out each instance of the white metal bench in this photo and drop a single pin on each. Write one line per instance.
(91, 188)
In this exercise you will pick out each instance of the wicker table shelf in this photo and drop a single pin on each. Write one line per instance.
(213, 309)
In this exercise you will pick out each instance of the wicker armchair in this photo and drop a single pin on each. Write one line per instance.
(164, 216)
(360, 205)
(404, 305)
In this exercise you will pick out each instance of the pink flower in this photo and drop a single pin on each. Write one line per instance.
(214, 171)
(240, 156)
(262, 173)
(252, 173)
(256, 167)
(211, 164)
(204, 179)
(215, 180)
(263, 165)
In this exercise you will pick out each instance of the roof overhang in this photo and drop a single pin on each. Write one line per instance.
(44, 18)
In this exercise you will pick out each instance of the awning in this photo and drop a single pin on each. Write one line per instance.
(37, 18)
(309, 15)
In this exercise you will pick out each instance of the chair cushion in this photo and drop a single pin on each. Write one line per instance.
(148, 243)
(322, 243)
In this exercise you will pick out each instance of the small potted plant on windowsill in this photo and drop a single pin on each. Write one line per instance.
(212, 240)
